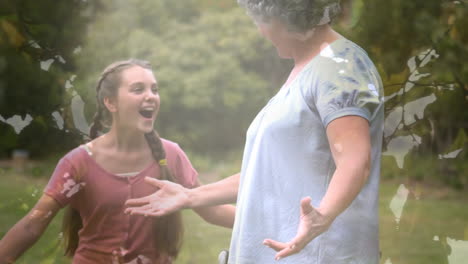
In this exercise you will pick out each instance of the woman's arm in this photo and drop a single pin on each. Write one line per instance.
(28, 230)
(172, 197)
(222, 215)
(220, 192)
(349, 141)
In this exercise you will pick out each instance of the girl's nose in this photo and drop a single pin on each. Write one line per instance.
(150, 95)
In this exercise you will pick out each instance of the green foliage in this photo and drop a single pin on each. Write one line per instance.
(209, 76)
(214, 169)
(37, 40)
(420, 50)
(216, 72)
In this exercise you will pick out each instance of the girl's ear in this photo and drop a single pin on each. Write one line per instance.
(110, 104)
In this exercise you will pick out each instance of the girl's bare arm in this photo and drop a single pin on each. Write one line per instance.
(28, 230)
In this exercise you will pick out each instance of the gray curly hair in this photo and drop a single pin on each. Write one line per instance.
(297, 15)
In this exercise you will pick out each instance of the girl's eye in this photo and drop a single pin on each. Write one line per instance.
(155, 90)
(137, 89)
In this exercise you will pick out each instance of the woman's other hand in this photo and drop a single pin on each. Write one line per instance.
(311, 225)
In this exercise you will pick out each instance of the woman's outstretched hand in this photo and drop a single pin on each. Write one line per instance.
(312, 224)
(169, 197)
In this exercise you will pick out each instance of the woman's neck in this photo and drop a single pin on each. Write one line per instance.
(314, 41)
(306, 48)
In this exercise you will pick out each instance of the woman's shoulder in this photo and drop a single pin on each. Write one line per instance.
(346, 45)
(343, 59)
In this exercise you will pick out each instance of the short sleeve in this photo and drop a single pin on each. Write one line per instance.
(64, 183)
(181, 166)
(352, 87)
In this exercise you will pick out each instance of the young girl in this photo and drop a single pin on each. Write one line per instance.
(97, 178)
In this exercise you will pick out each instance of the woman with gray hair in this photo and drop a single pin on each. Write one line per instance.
(308, 187)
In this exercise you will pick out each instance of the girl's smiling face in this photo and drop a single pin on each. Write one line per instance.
(137, 103)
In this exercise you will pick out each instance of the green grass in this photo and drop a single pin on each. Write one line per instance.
(203, 241)
(431, 218)
(18, 195)
(423, 234)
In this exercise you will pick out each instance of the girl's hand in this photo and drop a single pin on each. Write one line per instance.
(169, 198)
(312, 224)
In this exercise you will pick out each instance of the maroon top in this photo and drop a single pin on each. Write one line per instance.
(108, 235)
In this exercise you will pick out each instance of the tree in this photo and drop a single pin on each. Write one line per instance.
(37, 40)
(212, 81)
(420, 49)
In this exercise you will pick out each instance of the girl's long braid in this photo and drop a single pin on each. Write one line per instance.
(168, 229)
(158, 152)
(96, 126)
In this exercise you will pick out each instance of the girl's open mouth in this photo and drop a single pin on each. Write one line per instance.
(147, 113)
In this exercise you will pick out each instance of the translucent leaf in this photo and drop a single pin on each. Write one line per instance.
(415, 109)
(17, 122)
(79, 119)
(15, 37)
(399, 147)
(398, 202)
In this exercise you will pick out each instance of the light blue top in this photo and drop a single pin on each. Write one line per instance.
(287, 157)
